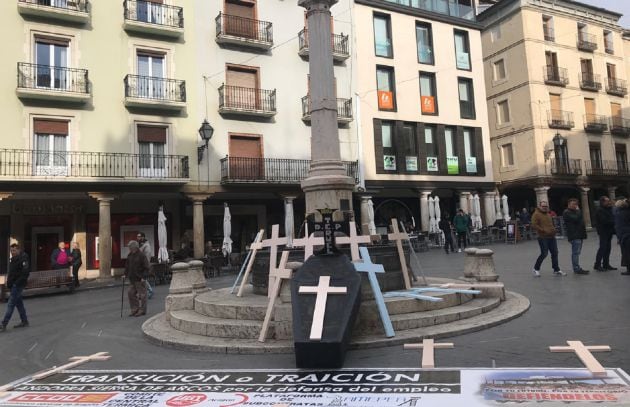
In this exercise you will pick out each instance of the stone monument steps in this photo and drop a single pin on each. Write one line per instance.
(194, 323)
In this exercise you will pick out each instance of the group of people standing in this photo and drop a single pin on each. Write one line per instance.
(63, 257)
(462, 224)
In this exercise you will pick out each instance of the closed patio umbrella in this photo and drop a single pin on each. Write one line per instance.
(227, 231)
(162, 238)
(506, 209)
(432, 222)
(371, 225)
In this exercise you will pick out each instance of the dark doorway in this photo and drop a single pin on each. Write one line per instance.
(4, 244)
(46, 243)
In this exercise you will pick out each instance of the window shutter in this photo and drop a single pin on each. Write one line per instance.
(47, 126)
(151, 134)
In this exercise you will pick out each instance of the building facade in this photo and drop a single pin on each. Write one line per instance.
(557, 100)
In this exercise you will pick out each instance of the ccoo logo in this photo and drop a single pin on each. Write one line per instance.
(184, 400)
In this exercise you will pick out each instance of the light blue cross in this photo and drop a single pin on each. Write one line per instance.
(444, 290)
(371, 269)
(411, 294)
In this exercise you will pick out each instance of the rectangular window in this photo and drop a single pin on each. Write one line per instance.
(499, 70)
(466, 98)
(151, 70)
(51, 58)
(428, 93)
(469, 152)
(386, 88)
(51, 147)
(548, 28)
(507, 155)
(595, 152)
(152, 150)
(431, 147)
(386, 135)
(608, 42)
(462, 50)
(424, 41)
(621, 157)
(452, 160)
(611, 71)
(151, 12)
(409, 147)
(389, 152)
(503, 112)
(383, 36)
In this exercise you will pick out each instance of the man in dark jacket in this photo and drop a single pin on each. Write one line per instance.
(622, 229)
(136, 270)
(542, 223)
(445, 226)
(576, 233)
(605, 229)
(19, 268)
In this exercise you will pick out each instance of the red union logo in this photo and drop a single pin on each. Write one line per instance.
(184, 400)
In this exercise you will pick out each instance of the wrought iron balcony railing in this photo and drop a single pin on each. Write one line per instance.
(340, 44)
(549, 34)
(154, 13)
(568, 167)
(559, 119)
(616, 86)
(272, 170)
(154, 88)
(237, 99)
(606, 168)
(619, 126)
(586, 42)
(67, 5)
(344, 109)
(590, 81)
(244, 28)
(594, 123)
(52, 78)
(555, 75)
(83, 164)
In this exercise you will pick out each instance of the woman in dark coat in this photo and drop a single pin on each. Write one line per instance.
(622, 229)
(76, 262)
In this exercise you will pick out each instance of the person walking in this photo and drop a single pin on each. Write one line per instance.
(460, 221)
(576, 233)
(136, 270)
(77, 261)
(60, 257)
(17, 277)
(445, 226)
(542, 223)
(605, 225)
(622, 229)
(145, 248)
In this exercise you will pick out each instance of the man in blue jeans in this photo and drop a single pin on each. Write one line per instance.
(542, 223)
(576, 233)
(19, 268)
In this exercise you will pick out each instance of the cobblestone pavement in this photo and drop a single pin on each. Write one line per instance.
(593, 308)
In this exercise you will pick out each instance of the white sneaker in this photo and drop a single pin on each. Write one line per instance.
(536, 273)
(459, 250)
(559, 273)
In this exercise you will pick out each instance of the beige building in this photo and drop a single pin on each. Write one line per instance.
(557, 100)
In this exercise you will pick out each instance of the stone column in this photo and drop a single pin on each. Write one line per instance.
(586, 210)
(463, 201)
(365, 217)
(104, 234)
(612, 193)
(327, 183)
(541, 195)
(424, 210)
(288, 209)
(198, 223)
(488, 208)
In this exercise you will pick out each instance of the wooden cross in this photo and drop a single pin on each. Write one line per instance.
(308, 243)
(371, 269)
(353, 241)
(255, 246)
(428, 347)
(273, 244)
(279, 274)
(321, 290)
(585, 355)
(398, 237)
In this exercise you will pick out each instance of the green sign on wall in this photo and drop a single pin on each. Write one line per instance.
(452, 164)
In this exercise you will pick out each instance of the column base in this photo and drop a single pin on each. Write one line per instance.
(327, 191)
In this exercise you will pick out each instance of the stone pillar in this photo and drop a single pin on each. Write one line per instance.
(327, 183)
(463, 201)
(541, 195)
(611, 193)
(198, 223)
(488, 208)
(288, 211)
(586, 209)
(424, 210)
(104, 234)
(365, 214)
(497, 206)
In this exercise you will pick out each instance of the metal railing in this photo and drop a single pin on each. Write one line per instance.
(70, 5)
(344, 107)
(154, 88)
(53, 78)
(555, 75)
(566, 167)
(549, 34)
(243, 27)
(606, 168)
(595, 123)
(154, 13)
(340, 43)
(453, 8)
(619, 126)
(559, 119)
(586, 42)
(25, 163)
(617, 86)
(590, 81)
(247, 99)
(272, 170)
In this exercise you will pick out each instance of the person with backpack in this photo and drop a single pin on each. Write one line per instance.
(60, 258)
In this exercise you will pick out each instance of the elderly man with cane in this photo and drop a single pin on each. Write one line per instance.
(136, 270)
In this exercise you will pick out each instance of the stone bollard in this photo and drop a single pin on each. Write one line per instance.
(470, 262)
(181, 294)
(198, 279)
(485, 270)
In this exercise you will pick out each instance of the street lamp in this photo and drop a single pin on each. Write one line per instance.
(205, 132)
(558, 140)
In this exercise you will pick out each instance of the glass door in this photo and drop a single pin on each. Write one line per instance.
(51, 155)
(51, 61)
(151, 84)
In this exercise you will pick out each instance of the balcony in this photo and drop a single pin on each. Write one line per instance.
(607, 168)
(619, 126)
(569, 167)
(247, 101)
(558, 119)
(590, 81)
(155, 93)
(594, 123)
(344, 110)
(73, 11)
(555, 76)
(244, 31)
(340, 46)
(52, 83)
(549, 34)
(146, 17)
(68, 165)
(241, 170)
(586, 42)
(617, 87)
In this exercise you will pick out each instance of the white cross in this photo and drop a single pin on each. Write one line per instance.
(353, 241)
(398, 237)
(279, 274)
(321, 290)
(273, 244)
(254, 247)
(371, 269)
(585, 355)
(308, 243)
(428, 347)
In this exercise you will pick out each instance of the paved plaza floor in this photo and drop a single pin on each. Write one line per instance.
(592, 308)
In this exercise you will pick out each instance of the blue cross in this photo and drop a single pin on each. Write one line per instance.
(411, 294)
(444, 290)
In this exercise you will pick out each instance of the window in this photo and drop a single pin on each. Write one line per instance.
(503, 112)
(548, 28)
(608, 42)
(152, 150)
(499, 70)
(611, 71)
(389, 152)
(507, 155)
(452, 160)
(51, 147)
(428, 93)
(469, 152)
(621, 157)
(51, 58)
(431, 147)
(615, 114)
(466, 98)
(595, 152)
(383, 36)
(151, 11)
(151, 71)
(462, 50)
(409, 149)
(386, 88)
(424, 41)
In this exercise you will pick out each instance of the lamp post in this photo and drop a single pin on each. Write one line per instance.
(205, 132)
(562, 162)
